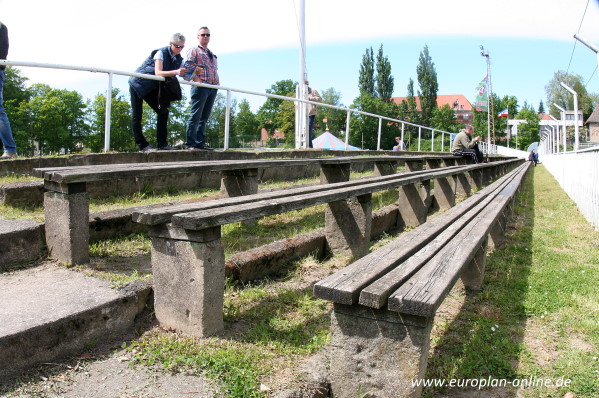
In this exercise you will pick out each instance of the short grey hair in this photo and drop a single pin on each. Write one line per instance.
(203, 27)
(177, 37)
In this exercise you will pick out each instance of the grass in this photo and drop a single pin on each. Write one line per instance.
(538, 313)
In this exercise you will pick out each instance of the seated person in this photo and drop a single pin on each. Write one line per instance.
(466, 146)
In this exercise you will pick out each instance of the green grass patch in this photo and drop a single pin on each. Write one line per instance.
(537, 315)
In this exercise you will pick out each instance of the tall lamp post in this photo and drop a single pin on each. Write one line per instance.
(490, 93)
(563, 118)
(576, 132)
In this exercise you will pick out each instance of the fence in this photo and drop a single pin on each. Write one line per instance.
(228, 90)
(578, 174)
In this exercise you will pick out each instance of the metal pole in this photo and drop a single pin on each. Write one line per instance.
(378, 144)
(303, 116)
(347, 129)
(576, 132)
(563, 118)
(432, 140)
(227, 119)
(419, 135)
(486, 55)
(108, 114)
(403, 125)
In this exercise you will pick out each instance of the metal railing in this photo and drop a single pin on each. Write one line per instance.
(578, 174)
(111, 73)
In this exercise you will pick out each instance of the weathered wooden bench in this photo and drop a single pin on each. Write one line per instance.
(385, 302)
(188, 257)
(66, 201)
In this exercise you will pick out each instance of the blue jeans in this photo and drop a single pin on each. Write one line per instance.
(5, 131)
(202, 99)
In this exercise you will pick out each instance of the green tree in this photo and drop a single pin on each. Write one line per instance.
(364, 129)
(15, 99)
(285, 121)
(444, 119)
(215, 127)
(408, 111)
(541, 107)
(121, 137)
(528, 132)
(427, 80)
(58, 119)
(366, 81)
(559, 95)
(384, 79)
(248, 126)
(335, 119)
(177, 121)
(268, 111)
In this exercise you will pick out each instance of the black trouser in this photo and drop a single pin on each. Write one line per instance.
(474, 154)
(136, 115)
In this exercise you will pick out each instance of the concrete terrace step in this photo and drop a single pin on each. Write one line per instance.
(50, 312)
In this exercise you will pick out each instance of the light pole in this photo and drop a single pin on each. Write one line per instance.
(489, 94)
(563, 118)
(576, 132)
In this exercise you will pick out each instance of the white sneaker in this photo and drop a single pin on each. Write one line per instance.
(8, 155)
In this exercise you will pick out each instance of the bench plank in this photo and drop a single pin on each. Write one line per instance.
(425, 291)
(345, 285)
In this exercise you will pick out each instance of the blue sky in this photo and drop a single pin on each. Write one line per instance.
(258, 42)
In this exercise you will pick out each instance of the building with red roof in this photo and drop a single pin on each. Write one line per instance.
(459, 103)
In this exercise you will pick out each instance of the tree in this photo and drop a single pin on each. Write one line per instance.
(559, 95)
(335, 119)
(285, 121)
(541, 107)
(384, 79)
(366, 81)
(427, 80)
(444, 118)
(528, 132)
(15, 99)
(364, 129)
(268, 111)
(248, 126)
(121, 136)
(58, 118)
(215, 127)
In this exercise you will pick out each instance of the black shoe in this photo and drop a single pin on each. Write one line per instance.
(167, 148)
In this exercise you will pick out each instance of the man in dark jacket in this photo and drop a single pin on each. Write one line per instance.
(166, 62)
(10, 147)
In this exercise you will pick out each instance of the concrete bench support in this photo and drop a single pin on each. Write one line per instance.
(414, 202)
(473, 273)
(348, 225)
(376, 351)
(445, 188)
(385, 168)
(189, 279)
(239, 182)
(67, 223)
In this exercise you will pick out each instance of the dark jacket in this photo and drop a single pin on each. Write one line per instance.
(145, 86)
(3, 43)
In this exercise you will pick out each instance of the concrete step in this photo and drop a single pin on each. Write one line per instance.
(49, 313)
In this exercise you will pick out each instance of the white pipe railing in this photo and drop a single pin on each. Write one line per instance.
(111, 72)
(578, 174)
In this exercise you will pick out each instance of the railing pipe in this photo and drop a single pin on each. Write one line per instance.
(378, 142)
(107, 115)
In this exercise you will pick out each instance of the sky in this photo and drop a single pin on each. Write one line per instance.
(258, 42)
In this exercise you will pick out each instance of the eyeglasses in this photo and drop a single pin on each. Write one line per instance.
(176, 46)
(205, 34)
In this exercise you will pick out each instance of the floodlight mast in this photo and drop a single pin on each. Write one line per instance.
(489, 94)
(563, 114)
(576, 132)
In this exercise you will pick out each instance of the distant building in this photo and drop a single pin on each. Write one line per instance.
(592, 125)
(461, 106)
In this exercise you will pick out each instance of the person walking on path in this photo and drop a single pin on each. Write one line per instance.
(466, 146)
(165, 62)
(10, 147)
(205, 64)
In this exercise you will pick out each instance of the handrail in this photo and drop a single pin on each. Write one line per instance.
(112, 72)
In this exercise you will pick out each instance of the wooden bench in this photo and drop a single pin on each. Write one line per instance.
(385, 302)
(66, 201)
(188, 257)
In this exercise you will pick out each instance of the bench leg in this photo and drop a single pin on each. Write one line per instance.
(385, 168)
(464, 186)
(377, 352)
(445, 189)
(348, 224)
(239, 182)
(67, 226)
(189, 279)
(331, 173)
(414, 202)
(473, 273)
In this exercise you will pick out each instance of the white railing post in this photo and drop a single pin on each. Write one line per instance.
(347, 128)
(419, 135)
(227, 120)
(432, 140)
(403, 126)
(107, 115)
(378, 143)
